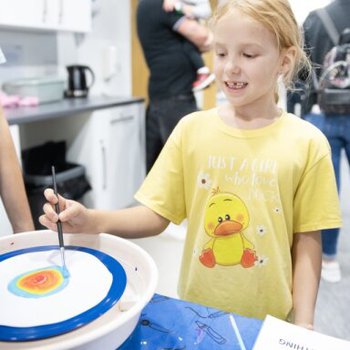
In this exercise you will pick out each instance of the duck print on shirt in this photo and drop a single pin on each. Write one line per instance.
(226, 217)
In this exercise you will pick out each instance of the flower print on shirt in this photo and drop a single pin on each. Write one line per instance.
(261, 230)
(204, 181)
(261, 261)
(277, 210)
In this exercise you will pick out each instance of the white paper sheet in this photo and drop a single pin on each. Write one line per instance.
(280, 335)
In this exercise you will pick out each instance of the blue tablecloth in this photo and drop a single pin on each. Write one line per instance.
(172, 324)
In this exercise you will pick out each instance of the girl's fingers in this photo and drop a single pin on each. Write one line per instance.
(50, 195)
(52, 198)
(50, 212)
(72, 210)
(47, 223)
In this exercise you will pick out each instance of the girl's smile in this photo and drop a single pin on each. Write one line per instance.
(236, 85)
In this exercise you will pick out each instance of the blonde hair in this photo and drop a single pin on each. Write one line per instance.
(278, 17)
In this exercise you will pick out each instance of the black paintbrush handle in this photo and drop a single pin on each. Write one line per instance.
(57, 208)
(60, 233)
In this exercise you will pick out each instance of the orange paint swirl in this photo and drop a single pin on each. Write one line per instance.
(40, 282)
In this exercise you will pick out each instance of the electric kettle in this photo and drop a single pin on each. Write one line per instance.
(78, 80)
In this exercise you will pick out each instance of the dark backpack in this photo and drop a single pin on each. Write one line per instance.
(333, 86)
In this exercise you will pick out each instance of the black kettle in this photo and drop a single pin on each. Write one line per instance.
(77, 80)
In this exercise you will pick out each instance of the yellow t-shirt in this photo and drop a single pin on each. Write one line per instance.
(244, 193)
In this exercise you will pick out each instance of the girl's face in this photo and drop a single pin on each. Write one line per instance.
(247, 61)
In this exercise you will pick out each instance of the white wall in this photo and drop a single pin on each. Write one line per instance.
(302, 8)
(21, 50)
(109, 44)
(38, 53)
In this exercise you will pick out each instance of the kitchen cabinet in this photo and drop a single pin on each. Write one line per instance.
(105, 134)
(74, 15)
(29, 13)
(111, 145)
(65, 15)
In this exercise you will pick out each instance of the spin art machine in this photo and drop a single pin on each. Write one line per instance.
(97, 307)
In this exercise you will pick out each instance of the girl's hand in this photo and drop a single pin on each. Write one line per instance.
(73, 215)
(308, 326)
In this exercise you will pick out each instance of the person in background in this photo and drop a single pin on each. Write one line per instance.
(199, 10)
(255, 183)
(12, 190)
(162, 35)
(335, 127)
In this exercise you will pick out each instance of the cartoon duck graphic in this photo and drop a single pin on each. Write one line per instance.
(226, 216)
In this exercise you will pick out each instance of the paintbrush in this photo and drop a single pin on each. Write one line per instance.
(59, 226)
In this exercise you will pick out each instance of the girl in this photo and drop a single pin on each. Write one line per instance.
(255, 183)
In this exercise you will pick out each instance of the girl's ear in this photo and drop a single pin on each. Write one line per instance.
(287, 60)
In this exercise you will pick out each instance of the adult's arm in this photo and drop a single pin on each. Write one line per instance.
(12, 188)
(195, 32)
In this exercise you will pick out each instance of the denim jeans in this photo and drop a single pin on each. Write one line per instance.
(161, 118)
(337, 130)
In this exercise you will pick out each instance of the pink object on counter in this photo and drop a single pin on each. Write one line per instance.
(11, 101)
(30, 101)
(8, 101)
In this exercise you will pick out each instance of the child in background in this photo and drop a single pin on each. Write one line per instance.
(255, 183)
(199, 10)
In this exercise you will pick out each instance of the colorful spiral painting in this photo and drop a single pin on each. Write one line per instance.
(39, 283)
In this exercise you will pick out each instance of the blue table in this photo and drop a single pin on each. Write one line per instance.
(172, 324)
